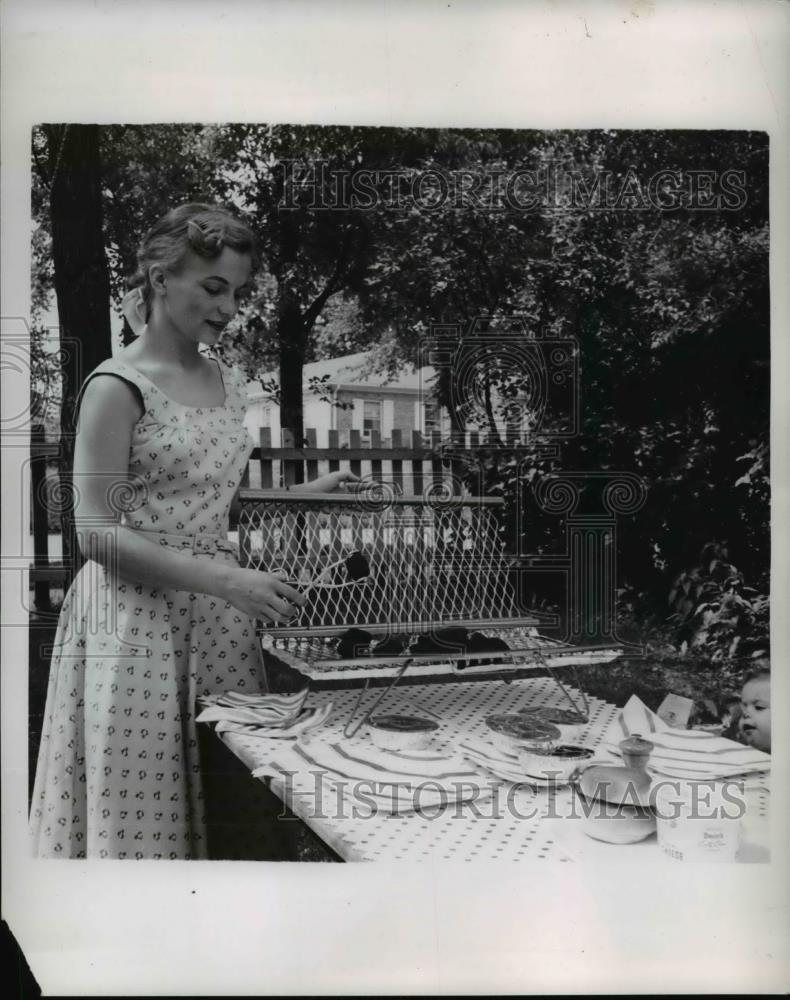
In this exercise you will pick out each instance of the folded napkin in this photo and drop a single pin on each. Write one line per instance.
(492, 759)
(684, 753)
(307, 720)
(274, 715)
(396, 782)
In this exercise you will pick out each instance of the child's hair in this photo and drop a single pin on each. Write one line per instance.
(762, 668)
(204, 229)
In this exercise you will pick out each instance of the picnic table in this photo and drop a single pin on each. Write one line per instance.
(518, 823)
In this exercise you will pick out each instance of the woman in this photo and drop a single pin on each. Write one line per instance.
(161, 612)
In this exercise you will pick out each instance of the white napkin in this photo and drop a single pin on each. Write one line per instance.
(684, 753)
(307, 720)
(271, 710)
(396, 781)
(492, 759)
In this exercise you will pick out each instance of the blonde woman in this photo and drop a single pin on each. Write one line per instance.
(161, 612)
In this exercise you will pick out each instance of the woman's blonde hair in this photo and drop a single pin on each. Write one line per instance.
(203, 229)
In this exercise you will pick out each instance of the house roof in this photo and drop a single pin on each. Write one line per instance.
(349, 371)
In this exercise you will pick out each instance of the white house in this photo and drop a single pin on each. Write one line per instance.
(378, 403)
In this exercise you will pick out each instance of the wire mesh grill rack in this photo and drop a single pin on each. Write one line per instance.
(434, 562)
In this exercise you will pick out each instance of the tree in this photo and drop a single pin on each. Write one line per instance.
(146, 171)
(668, 307)
(311, 255)
(69, 165)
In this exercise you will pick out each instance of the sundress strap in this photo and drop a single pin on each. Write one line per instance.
(122, 371)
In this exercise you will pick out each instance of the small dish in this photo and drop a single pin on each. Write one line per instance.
(512, 731)
(556, 763)
(401, 732)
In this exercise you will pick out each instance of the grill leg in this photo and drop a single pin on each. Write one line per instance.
(348, 734)
(565, 691)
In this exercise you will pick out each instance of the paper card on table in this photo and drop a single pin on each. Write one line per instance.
(676, 711)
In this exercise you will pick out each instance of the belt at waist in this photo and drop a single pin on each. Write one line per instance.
(204, 542)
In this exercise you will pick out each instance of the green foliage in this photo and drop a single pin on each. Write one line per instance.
(669, 311)
(715, 613)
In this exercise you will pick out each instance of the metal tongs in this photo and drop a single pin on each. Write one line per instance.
(357, 570)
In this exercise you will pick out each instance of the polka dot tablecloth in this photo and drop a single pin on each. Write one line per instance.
(517, 823)
(510, 826)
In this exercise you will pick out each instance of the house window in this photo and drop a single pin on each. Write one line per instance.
(371, 417)
(433, 417)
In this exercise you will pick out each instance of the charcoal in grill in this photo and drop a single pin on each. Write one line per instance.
(393, 645)
(357, 566)
(355, 642)
(478, 642)
(444, 640)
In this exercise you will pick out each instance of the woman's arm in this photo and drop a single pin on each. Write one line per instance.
(108, 413)
(325, 484)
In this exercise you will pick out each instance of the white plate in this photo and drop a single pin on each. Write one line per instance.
(437, 747)
(489, 759)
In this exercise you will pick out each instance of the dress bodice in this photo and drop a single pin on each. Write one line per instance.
(185, 462)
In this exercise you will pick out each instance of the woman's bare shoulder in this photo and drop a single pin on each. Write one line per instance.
(108, 395)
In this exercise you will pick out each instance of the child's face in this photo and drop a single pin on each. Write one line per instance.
(755, 722)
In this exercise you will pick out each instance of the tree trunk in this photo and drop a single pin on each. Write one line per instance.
(81, 285)
(291, 337)
(493, 430)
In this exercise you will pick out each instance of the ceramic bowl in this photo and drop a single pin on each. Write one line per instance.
(401, 732)
(511, 732)
(618, 824)
(617, 805)
(556, 763)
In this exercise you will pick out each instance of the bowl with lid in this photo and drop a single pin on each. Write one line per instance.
(510, 731)
(570, 722)
(401, 732)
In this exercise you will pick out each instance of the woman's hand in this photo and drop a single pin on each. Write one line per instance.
(328, 483)
(262, 595)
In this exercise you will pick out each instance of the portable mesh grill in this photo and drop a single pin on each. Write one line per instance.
(434, 562)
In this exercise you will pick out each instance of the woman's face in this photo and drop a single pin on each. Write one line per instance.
(203, 296)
